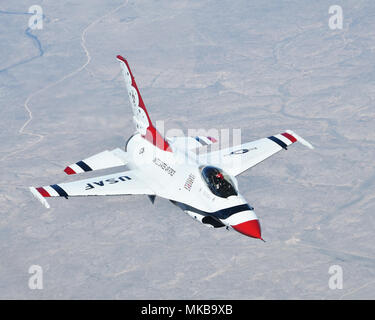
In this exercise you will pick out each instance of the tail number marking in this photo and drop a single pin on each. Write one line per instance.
(164, 166)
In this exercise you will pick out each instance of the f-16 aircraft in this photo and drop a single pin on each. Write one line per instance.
(204, 186)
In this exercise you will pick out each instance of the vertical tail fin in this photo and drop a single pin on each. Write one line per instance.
(141, 118)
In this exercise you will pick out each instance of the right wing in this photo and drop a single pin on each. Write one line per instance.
(103, 160)
(121, 183)
(235, 160)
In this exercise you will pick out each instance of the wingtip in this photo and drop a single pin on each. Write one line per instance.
(301, 140)
(38, 196)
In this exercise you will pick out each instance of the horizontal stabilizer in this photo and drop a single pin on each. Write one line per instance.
(103, 160)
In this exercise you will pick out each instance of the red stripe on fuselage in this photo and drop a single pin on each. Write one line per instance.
(153, 136)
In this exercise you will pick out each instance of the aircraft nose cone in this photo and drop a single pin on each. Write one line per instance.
(249, 228)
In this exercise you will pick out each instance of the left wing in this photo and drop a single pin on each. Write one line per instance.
(121, 183)
(235, 160)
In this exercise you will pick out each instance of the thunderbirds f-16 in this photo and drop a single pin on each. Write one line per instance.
(204, 186)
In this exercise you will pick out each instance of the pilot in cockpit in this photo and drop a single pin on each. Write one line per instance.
(218, 180)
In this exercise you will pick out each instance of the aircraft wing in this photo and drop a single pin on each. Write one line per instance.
(235, 160)
(121, 183)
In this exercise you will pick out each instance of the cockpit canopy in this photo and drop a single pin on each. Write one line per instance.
(218, 182)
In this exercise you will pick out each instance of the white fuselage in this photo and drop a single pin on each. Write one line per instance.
(177, 176)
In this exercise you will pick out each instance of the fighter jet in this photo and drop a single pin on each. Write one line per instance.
(203, 185)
